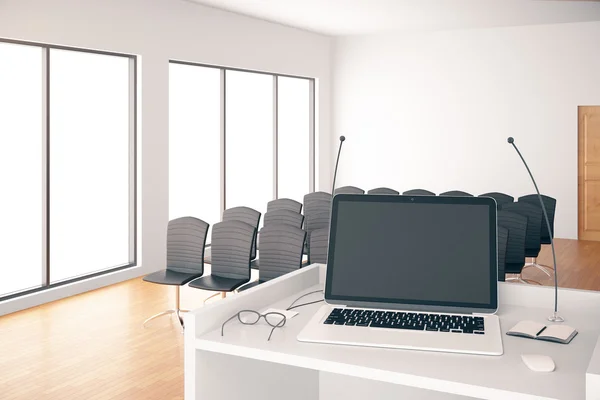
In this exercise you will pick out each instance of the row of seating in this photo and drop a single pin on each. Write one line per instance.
(282, 241)
(281, 244)
(521, 227)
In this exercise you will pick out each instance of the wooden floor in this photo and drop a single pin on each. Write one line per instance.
(578, 265)
(92, 346)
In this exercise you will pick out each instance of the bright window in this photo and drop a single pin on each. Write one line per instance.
(21, 167)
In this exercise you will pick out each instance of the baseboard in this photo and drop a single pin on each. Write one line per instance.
(72, 289)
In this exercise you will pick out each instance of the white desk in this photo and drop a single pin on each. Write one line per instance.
(244, 365)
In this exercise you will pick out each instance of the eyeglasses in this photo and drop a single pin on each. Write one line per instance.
(251, 317)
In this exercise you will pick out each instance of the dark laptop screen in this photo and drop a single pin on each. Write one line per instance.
(416, 250)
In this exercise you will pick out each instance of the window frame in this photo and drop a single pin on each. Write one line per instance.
(311, 134)
(46, 184)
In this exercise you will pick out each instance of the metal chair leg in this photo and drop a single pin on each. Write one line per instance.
(211, 296)
(520, 279)
(543, 268)
(177, 311)
(160, 314)
(530, 281)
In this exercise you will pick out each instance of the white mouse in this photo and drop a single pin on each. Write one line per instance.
(538, 362)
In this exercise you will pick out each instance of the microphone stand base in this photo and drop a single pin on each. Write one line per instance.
(556, 318)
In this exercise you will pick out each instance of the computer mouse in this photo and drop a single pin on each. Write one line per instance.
(538, 362)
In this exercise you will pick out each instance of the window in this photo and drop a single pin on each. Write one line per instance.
(293, 137)
(194, 142)
(21, 168)
(89, 163)
(249, 140)
(237, 138)
(67, 120)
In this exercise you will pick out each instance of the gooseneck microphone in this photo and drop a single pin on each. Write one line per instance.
(342, 138)
(554, 317)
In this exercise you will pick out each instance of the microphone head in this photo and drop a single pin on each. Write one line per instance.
(342, 138)
(510, 140)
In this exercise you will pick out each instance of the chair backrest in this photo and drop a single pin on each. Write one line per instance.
(319, 243)
(231, 245)
(418, 192)
(317, 211)
(281, 249)
(244, 214)
(284, 204)
(456, 193)
(533, 235)
(186, 238)
(383, 190)
(348, 190)
(550, 204)
(517, 229)
(285, 217)
(502, 242)
(500, 198)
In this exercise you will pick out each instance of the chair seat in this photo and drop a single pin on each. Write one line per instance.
(168, 277)
(250, 285)
(513, 268)
(217, 283)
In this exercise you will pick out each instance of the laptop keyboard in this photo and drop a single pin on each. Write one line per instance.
(407, 320)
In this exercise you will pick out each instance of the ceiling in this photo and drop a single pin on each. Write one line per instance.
(358, 17)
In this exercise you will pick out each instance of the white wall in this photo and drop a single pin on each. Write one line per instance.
(433, 110)
(159, 30)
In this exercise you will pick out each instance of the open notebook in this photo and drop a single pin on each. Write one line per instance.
(552, 333)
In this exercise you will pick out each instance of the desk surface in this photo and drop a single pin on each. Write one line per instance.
(479, 376)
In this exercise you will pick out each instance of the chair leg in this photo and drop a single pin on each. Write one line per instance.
(160, 314)
(519, 278)
(177, 311)
(211, 296)
(223, 295)
(541, 267)
(529, 281)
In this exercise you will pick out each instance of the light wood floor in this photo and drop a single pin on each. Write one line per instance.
(578, 265)
(92, 346)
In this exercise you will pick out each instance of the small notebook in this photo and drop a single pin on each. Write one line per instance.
(552, 333)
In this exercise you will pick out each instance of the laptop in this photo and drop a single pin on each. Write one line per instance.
(411, 272)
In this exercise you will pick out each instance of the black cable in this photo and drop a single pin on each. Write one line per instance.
(305, 304)
(304, 295)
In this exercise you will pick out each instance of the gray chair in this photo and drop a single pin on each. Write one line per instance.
(500, 198)
(456, 193)
(231, 248)
(515, 246)
(317, 213)
(281, 248)
(186, 238)
(550, 204)
(348, 190)
(278, 217)
(502, 241)
(285, 217)
(284, 204)
(319, 244)
(383, 190)
(247, 215)
(533, 238)
(418, 192)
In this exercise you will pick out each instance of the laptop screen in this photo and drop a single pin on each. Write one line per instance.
(431, 253)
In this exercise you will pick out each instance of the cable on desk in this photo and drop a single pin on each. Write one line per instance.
(305, 304)
(291, 306)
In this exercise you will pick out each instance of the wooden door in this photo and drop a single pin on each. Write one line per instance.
(589, 173)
